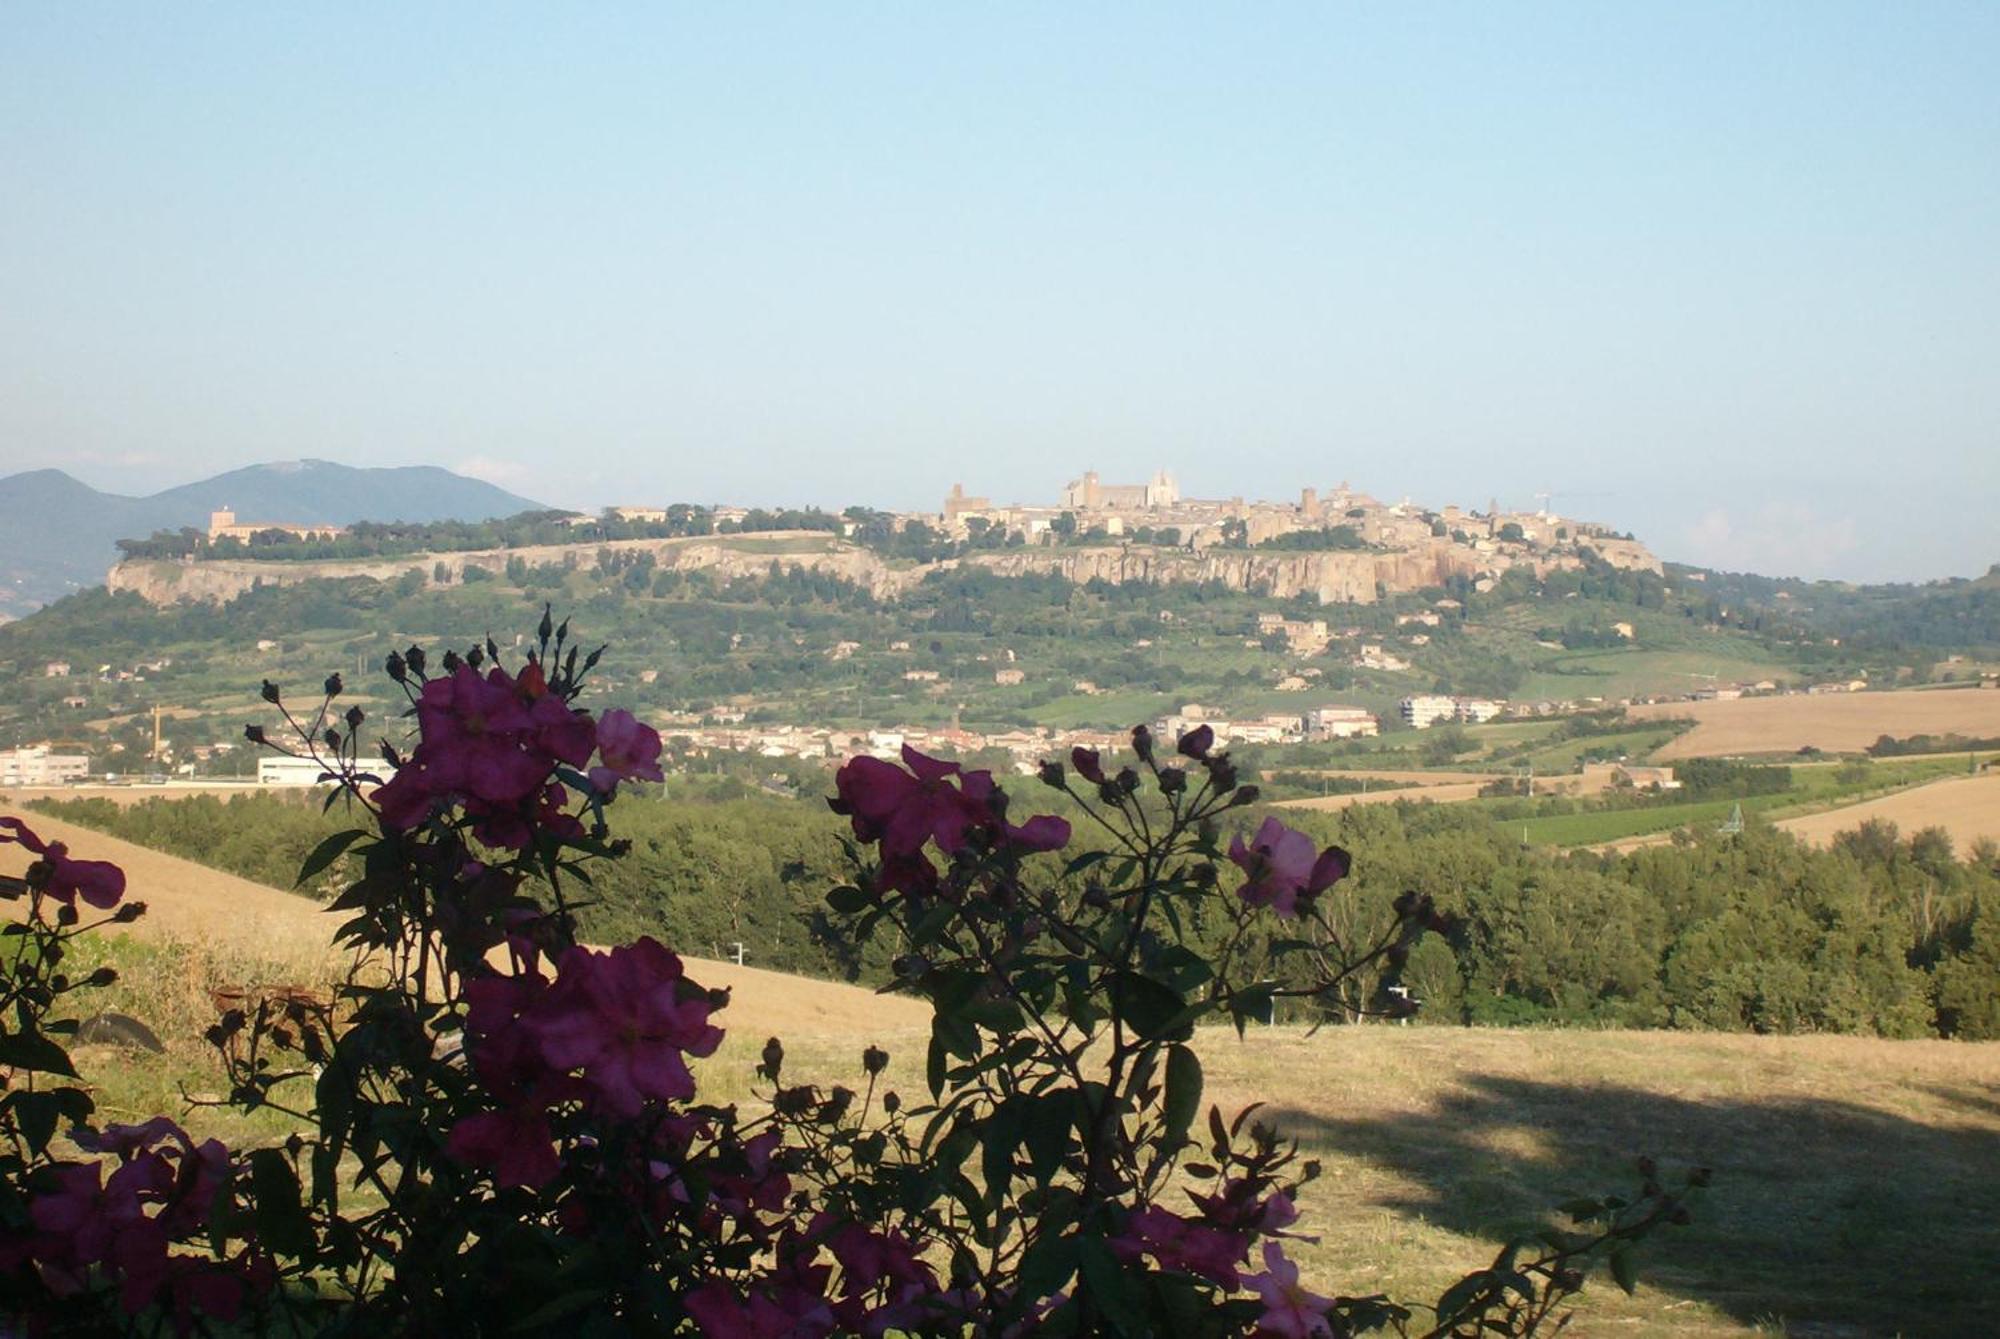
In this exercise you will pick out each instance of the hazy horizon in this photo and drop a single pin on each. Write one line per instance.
(1722, 277)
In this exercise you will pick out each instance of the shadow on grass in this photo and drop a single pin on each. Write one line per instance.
(1829, 1218)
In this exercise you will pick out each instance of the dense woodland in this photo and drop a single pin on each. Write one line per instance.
(1884, 933)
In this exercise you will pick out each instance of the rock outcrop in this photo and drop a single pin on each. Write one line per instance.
(1330, 578)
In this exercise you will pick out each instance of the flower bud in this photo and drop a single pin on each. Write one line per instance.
(355, 716)
(1172, 780)
(333, 685)
(1142, 743)
(1052, 774)
(874, 1060)
(891, 1103)
(451, 662)
(254, 733)
(1128, 780)
(270, 692)
(1197, 742)
(333, 739)
(66, 914)
(415, 657)
(1245, 795)
(395, 666)
(128, 913)
(773, 1060)
(102, 977)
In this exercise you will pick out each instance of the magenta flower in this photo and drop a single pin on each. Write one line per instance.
(1045, 832)
(563, 732)
(1088, 764)
(513, 1142)
(1239, 1207)
(98, 882)
(1182, 1244)
(1284, 869)
(903, 810)
(1290, 1312)
(1197, 742)
(626, 1018)
(476, 735)
(626, 751)
(722, 1314)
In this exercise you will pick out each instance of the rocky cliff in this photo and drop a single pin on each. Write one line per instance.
(1329, 578)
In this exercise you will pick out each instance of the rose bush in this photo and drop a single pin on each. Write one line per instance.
(502, 1127)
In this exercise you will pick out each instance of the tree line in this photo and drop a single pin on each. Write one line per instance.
(1883, 933)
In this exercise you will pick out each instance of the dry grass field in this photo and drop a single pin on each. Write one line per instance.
(1855, 1178)
(1967, 807)
(1836, 722)
(1447, 794)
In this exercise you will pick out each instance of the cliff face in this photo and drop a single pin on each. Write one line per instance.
(1329, 578)
(165, 581)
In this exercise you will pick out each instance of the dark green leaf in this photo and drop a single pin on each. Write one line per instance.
(1623, 1270)
(848, 900)
(1183, 1096)
(31, 1050)
(326, 853)
(1153, 1009)
(282, 1225)
(934, 1064)
(1109, 1286)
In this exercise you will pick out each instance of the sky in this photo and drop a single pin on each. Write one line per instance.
(1724, 276)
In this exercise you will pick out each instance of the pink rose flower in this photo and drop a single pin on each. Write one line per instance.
(904, 809)
(513, 1142)
(1284, 869)
(98, 882)
(626, 751)
(1290, 1312)
(1182, 1244)
(626, 1018)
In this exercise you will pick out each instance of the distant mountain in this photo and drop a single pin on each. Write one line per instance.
(58, 534)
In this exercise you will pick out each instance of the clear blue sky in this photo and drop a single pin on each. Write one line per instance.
(1727, 276)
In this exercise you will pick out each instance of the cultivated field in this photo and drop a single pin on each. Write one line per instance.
(1836, 722)
(1967, 807)
(1854, 1177)
(1457, 790)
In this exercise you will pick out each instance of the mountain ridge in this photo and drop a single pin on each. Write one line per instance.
(58, 534)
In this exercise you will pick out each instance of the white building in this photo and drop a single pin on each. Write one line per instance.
(1334, 722)
(1423, 710)
(278, 770)
(37, 766)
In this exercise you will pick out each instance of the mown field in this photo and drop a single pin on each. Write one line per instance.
(1854, 1177)
(1835, 722)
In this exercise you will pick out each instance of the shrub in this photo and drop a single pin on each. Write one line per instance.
(504, 1131)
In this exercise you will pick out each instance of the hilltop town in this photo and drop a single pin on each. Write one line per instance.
(1337, 547)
